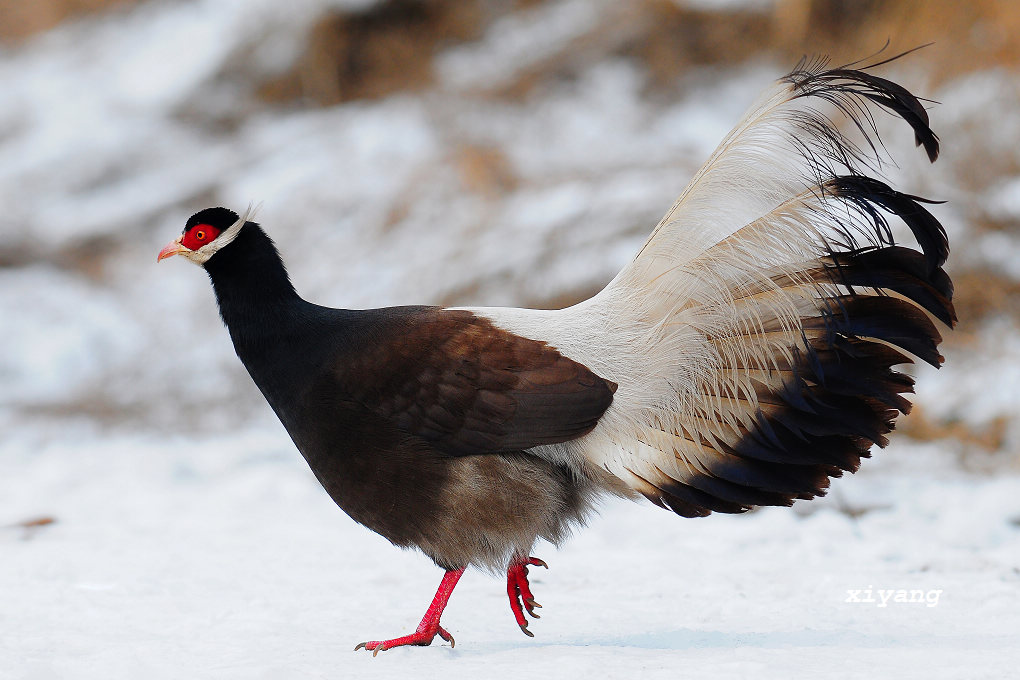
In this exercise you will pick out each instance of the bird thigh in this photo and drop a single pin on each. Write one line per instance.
(495, 506)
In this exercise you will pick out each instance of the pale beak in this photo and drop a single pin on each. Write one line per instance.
(171, 248)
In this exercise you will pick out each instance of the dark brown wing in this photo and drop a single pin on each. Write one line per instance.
(468, 387)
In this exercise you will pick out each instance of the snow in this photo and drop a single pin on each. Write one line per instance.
(982, 384)
(191, 541)
(222, 557)
(519, 41)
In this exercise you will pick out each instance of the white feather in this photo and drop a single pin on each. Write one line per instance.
(712, 302)
(202, 255)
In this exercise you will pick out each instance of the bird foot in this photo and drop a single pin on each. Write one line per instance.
(429, 627)
(422, 637)
(519, 591)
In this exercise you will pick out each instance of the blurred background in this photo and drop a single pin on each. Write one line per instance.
(478, 152)
(419, 151)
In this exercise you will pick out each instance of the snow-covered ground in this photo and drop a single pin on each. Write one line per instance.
(221, 557)
(190, 540)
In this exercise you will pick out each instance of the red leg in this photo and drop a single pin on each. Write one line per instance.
(429, 626)
(519, 591)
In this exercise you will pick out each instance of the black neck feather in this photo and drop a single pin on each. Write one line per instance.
(251, 283)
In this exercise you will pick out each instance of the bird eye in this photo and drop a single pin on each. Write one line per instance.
(200, 235)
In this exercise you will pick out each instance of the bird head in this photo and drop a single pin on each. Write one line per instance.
(205, 233)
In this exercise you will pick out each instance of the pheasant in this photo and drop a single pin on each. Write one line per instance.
(742, 358)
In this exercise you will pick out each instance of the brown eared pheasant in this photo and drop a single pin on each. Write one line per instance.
(742, 358)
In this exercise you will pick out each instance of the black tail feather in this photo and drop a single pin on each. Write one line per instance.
(869, 194)
(843, 86)
(899, 270)
(840, 394)
(884, 318)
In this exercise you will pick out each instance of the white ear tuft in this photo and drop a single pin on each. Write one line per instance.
(202, 255)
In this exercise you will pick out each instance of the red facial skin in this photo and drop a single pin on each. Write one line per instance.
(193, 239)
(198, 236)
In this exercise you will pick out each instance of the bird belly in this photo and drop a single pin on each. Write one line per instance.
(476, 510)
(495, 506)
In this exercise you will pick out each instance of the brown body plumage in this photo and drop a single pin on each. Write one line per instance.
(416, 401)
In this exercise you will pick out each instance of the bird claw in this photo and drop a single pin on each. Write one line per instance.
(519, 591)
(379, 647)
(420, 638)
(375, 647)
(429, 627)
(443, 633)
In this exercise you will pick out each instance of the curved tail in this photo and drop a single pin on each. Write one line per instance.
(754, 335)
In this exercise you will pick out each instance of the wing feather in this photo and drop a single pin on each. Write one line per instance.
(468, 387)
